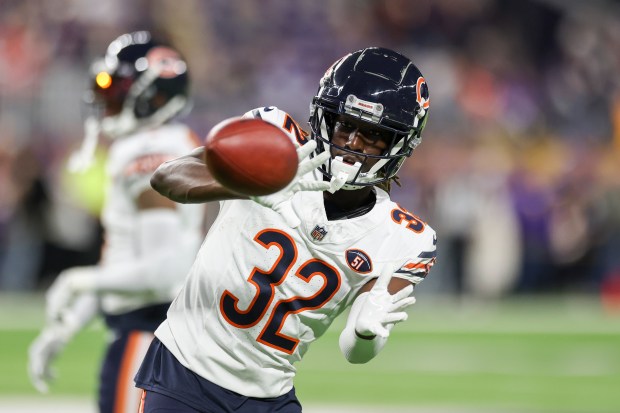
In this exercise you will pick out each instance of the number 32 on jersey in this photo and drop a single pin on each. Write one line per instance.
(265, 283)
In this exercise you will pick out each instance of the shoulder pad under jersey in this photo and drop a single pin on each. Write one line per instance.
(281, 119)
(418, 265)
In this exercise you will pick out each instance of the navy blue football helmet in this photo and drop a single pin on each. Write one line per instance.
(138, 83)
(384, 89)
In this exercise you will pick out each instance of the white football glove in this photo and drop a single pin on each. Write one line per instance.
(281, 200)
(43, 351)
(67, 286)
(380, 309)
(55, 336)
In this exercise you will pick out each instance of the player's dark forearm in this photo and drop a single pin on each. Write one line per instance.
(187, 180)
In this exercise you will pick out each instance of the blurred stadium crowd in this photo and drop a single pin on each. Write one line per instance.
(519, 171)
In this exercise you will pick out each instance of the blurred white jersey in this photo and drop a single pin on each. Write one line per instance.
(260, 292)
(131, 162)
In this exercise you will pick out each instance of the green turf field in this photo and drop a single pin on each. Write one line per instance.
(560, 355)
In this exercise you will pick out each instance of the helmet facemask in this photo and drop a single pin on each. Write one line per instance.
(400, 146)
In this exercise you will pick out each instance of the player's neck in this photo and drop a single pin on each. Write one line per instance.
(348, 201)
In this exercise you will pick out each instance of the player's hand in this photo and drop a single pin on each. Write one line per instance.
(381, 310)
(281, 200)
(42, 352)
(67, 286)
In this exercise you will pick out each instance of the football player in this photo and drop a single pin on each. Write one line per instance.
(150, 242)
(275, 271)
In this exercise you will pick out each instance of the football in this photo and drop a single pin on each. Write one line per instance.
(250, 156)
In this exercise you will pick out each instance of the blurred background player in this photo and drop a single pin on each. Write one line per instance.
(138, 86)
(266, 284)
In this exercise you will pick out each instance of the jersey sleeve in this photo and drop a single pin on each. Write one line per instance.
(137, 174)
(282, 120)
(421, 259)
(141, 161)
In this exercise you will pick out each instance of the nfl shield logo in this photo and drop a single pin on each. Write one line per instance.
(318, 233)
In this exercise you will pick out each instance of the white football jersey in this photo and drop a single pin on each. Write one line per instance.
(130, 165)
(260, 292)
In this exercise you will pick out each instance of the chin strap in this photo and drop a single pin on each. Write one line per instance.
(341, 173)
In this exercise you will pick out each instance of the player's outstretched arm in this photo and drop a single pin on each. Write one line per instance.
(373, 314)
(187, 180)
(56, 334)
(167, 251)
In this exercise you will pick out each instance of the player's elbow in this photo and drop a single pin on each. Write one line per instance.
(158, 181)
(162, 183)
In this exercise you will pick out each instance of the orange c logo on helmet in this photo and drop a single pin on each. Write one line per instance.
(425, 103)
